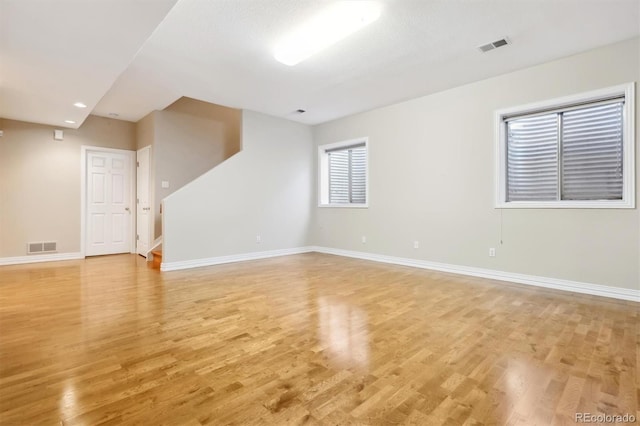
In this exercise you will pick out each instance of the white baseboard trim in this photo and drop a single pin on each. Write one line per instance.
(39, 258)
(553, 283)
(210, 261)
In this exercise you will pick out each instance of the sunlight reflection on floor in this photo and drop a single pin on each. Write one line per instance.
(343, 331)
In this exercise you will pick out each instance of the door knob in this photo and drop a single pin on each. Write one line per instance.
(126, 208)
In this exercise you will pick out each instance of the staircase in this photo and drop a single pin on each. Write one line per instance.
(214, 135)
(157, 258)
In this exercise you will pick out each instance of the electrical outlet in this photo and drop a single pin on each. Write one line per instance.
(258, 239)
(364, 239)
(492, 252)
(416, 244)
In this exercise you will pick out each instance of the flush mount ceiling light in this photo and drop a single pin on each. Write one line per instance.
(330, 26)
(79, 105)
(70, 121)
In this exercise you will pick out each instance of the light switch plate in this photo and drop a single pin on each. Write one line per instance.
(165, 183)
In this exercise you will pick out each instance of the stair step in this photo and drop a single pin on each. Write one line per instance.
(157, 258)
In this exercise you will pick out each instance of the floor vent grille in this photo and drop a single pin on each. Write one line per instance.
(42, 247)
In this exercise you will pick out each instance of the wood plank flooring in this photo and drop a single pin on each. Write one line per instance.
(308, 339)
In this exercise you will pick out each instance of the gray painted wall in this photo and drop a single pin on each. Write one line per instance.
(40, 180)
(188, 138)
(265, 190)
(431, 176)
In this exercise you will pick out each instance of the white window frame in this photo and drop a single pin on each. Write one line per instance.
(323, 173)
(628, 148)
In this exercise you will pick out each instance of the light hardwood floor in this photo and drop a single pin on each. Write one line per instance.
(306, 339)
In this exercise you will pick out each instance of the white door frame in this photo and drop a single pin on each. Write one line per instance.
(84, 151)
(151, 222)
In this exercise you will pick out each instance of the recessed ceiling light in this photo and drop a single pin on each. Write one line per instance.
(330, 26)
(79, 105)
(70, 121)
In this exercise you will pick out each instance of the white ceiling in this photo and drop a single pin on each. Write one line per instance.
(221, 51)
(56, 53)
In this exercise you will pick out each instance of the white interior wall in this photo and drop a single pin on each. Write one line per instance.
(431, 177)
(263, 190)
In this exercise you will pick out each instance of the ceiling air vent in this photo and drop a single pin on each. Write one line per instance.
(493, 45)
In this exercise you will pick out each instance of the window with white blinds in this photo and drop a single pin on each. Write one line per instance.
(343, 174)
(532, 160)
(347, 175)
(592, 153)
(571, 154)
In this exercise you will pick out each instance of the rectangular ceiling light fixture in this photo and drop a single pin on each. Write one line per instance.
(327, 28)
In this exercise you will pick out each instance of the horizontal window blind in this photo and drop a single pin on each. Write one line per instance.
(571, 154)
(359, 175)
(532, 158)
(343, 148)
(592, 153)
(348, 175)
(571, 107)
(339, 177)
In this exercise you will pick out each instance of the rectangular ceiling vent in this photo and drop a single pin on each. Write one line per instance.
(493, 45)
(42, 247)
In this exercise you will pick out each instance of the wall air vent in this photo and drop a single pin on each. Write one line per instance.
(493, 45)
(42, 247)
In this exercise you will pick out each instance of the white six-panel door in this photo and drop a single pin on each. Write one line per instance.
(109, 216)
(143, 212)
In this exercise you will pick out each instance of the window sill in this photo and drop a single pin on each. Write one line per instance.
(345, 206)
(566, 205)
